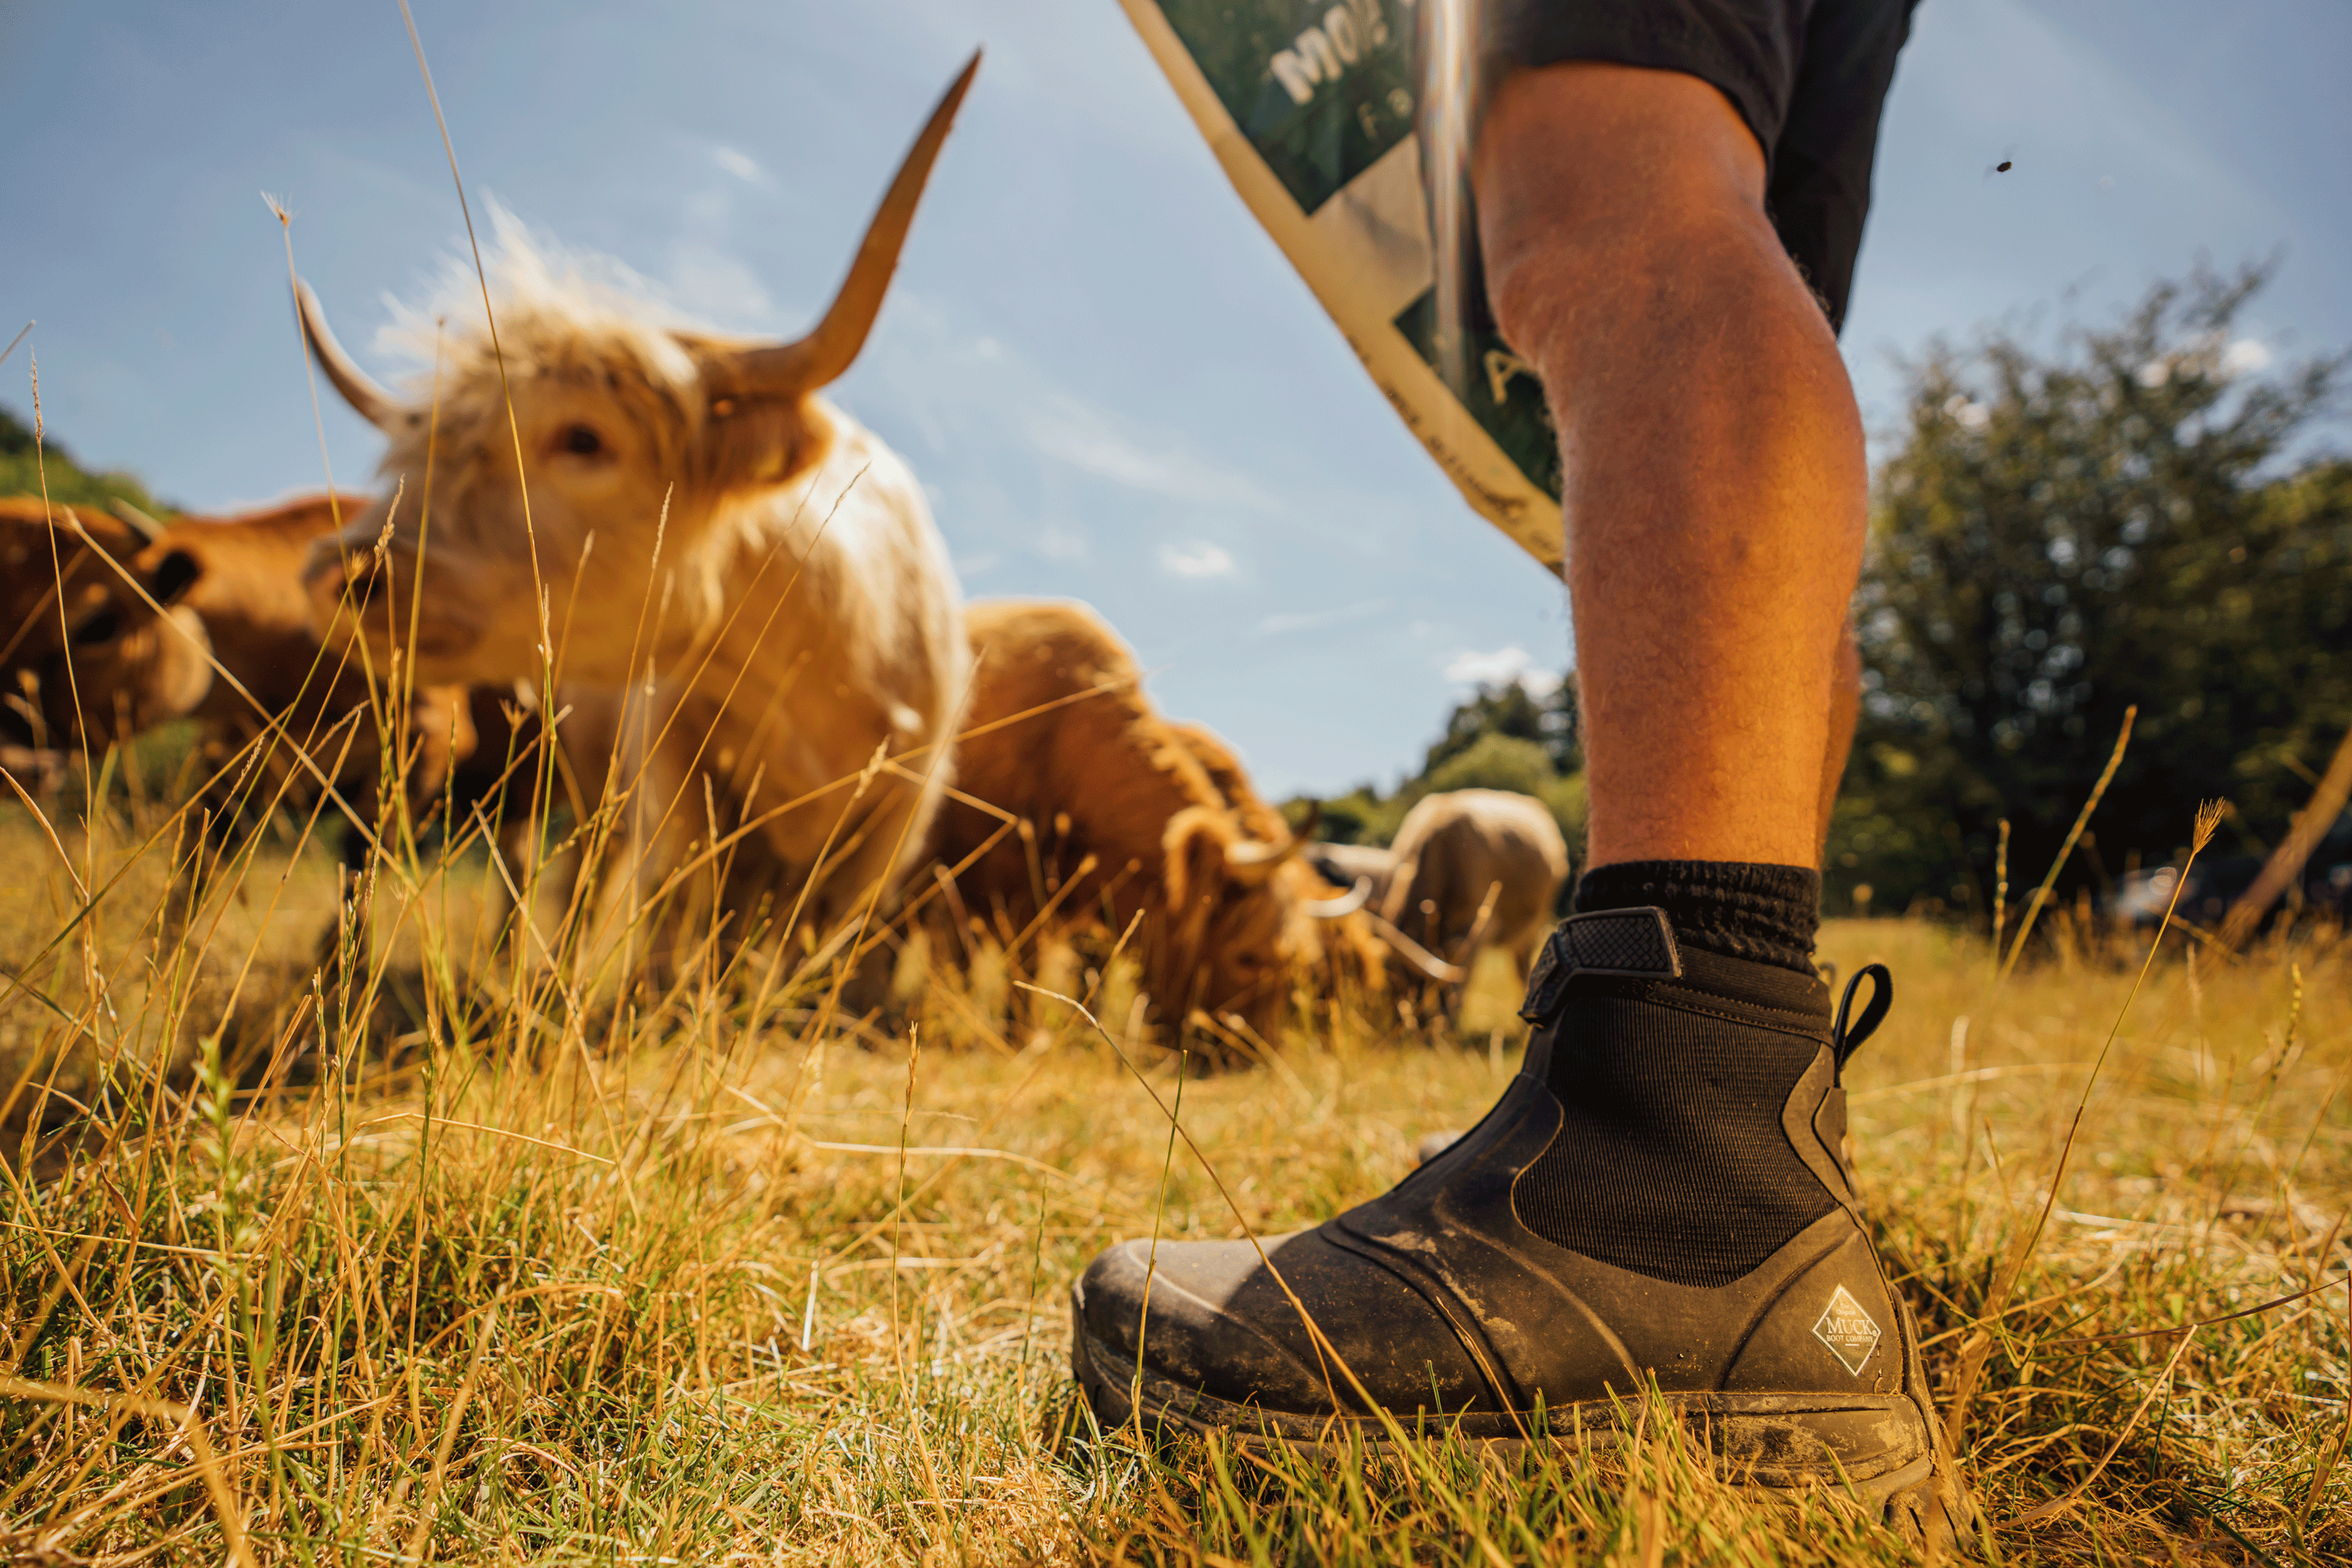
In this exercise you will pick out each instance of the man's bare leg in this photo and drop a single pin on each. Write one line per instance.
(1712, 452)
(1657, 1187)
(1845, 715)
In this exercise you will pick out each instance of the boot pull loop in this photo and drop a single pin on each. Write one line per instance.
(1845, 1039)
(1638, 944)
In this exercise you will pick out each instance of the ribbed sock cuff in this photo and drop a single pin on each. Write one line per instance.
(1739, 909)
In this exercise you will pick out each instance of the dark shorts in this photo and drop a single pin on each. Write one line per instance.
(1810, 77)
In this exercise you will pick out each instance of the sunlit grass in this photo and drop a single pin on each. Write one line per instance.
(469, 1273)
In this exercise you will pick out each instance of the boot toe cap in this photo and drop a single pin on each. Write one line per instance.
(1214, 1317)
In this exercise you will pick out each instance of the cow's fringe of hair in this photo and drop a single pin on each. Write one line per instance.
(549, 297)
(565, 315)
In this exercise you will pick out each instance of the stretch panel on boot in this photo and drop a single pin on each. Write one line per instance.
(1435, 1301)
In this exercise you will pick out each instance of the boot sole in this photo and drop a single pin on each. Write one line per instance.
(1780, 1443)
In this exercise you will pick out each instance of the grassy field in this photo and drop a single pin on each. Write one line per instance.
(486, 1270)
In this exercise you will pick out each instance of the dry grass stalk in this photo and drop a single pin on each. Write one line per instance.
(1973, 1362)
(1999, 893)
(2066, 850)
(476, 1247)
(627, 1253)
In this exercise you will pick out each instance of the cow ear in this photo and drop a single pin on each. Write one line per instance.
(173, 576)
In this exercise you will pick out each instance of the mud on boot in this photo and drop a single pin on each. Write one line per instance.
(1659, 1195)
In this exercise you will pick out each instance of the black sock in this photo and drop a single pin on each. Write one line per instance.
(1672, 1159)
(1740, 909)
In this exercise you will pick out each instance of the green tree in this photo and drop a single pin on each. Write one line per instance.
(1549, 722)
(1503, 737)
(2134, 518)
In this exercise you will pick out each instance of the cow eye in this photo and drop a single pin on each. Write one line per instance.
(101, 627)
(582, 440)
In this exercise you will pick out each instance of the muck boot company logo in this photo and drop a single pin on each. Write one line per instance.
(1848, 1330)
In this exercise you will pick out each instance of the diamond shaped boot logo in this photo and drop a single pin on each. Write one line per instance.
(1848, 1330)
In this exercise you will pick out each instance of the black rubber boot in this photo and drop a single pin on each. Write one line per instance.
(1547, 1258)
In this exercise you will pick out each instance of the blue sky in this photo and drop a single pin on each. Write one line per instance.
(1110, 381)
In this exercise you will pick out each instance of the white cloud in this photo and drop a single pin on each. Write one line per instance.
(1197, 559)
(1504, 667)
(2245, 357)
(1086, 438)
(740, 163)
(1322, 620)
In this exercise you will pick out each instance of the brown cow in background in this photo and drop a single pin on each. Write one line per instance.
(237, 600)
(1119, 817)
(1336, 941)
(462, 749)
(86, 657)
(1472, 852)
(247, 587)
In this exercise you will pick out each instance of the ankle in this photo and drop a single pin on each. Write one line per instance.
(1734, 908)
(1676, 1157)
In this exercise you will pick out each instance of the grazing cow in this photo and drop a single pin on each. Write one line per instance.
(1457, 849)
(764, 577)
(1117, 817)
(1338, 939)
(85, 659)
(1367, 870)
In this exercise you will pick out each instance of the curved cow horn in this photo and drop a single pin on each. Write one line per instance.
(1250, 852)
(1347, 903)
(790, 369)
(139, 523)
(362, 391)
(1420, 957)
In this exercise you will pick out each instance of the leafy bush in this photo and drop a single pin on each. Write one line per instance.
(2135, 518)
(1502, 738)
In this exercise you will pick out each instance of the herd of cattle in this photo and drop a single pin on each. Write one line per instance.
(722, 609)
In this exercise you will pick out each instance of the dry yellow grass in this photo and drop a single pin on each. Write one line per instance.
(478, 1277)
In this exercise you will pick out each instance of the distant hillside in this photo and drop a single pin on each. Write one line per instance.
(69, 484)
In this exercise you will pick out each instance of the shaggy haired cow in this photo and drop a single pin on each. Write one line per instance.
(1337, 941)
(1472, 851)
(694, 525)
(286, 691)
(86, 657)
(1123, 815)
(283, 716)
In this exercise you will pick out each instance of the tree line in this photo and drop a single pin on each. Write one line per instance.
(2148, 516)
(2145, 517)
(1510, 737)
(2152, 515)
